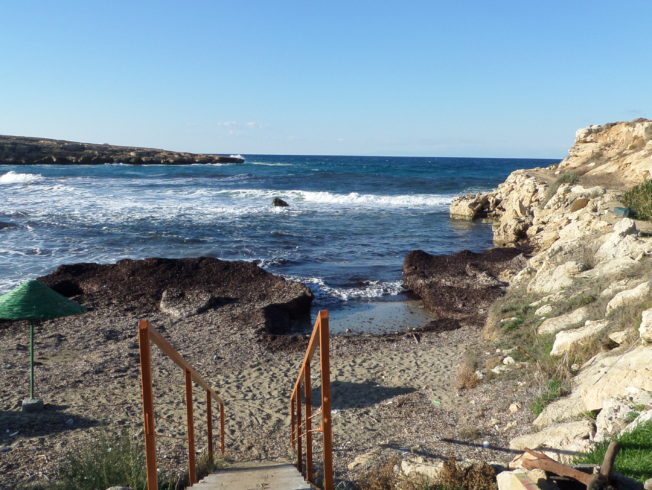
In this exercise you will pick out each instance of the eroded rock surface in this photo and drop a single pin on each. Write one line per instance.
(185, 287)
(462, 285)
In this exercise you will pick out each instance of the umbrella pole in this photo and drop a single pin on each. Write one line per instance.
(31, 360)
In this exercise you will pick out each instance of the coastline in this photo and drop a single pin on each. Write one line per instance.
(24, 150)
(396, 396)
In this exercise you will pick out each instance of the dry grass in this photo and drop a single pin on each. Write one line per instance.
(387, 476)
(477, 477)
(466, 377)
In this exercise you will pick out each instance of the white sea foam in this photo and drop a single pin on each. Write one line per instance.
(268, 164)
(352, 199)
(12, 177)
(369, 289)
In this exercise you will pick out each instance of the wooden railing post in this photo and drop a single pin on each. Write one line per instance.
(222, 428)
(327, 429)
(192, 476)
(299, 436)
(209, 425)
(306, 390)
(292, 421)
(302, 387)
(148, 404)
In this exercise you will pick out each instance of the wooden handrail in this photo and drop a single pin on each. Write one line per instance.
(146, 333)
(301, 427)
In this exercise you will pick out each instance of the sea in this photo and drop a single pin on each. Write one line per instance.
(349, 223)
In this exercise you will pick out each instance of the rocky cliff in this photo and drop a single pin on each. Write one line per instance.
(540, 205)
(580, 310)
(20, 150)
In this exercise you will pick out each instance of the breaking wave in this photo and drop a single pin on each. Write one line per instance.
(345, 200)
(12, 177)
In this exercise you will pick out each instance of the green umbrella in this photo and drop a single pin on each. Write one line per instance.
(33, 301)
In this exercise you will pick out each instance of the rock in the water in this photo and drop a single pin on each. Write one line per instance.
(4, 224)
(193, 286)
(461, 285)
(469, 206)
(277, 201)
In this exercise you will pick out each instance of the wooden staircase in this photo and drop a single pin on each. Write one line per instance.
(250, 475)
(255, 476)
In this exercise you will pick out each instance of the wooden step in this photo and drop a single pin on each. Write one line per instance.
(258, 475)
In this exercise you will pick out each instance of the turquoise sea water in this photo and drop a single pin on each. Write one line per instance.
(349, 224)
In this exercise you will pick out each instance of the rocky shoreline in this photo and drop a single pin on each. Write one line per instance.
(566, 298)
(22, 150)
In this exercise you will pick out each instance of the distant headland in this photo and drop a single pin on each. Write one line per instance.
(22, 150)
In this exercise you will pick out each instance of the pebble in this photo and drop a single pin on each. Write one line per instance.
(485, 444)
(515, 407)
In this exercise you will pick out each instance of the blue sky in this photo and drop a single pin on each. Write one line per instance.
(434, 78)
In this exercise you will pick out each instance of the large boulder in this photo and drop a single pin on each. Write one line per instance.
(551, 280)
(607, 375)
(639, 293)
(469, 206)
(185, 287)
(645, 329)
(568, 341)
(558, 439)
(563, 322)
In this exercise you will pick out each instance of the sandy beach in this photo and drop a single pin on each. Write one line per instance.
(391, 393)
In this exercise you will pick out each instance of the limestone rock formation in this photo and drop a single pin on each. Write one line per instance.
(559, 439)
(607, 375)
(620, 152)
(20, 150)
(568, 340)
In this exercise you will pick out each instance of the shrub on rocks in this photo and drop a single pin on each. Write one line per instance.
(639, 200)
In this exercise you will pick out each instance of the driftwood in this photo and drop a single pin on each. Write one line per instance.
(598, 481)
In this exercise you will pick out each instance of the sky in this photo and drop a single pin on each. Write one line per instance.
(475, 78)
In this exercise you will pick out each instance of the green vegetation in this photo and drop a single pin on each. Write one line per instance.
(639, 200)
(105, 462)
(553, 391)
(635, 455)
(116, 460)
(565, 178)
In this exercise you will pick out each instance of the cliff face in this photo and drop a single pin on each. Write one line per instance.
(19, 150)
(535, 206)
(619, 154)
(585, 294)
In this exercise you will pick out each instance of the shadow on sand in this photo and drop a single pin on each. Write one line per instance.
(51, 420)
(358, 395)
